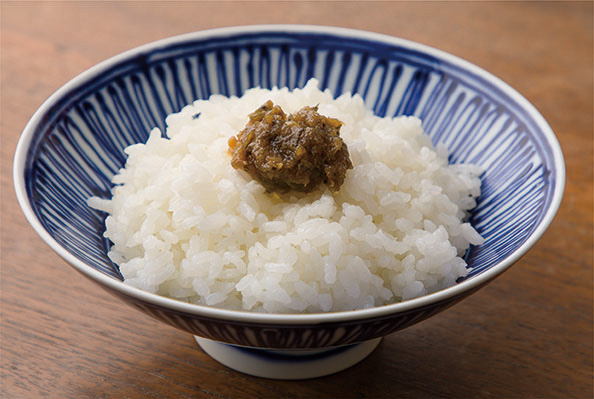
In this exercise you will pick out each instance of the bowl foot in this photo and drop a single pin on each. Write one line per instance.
(293, 364)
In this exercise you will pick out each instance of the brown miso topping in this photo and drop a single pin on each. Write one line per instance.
(298, 152)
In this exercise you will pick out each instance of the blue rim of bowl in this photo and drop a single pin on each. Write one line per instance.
(457, 290)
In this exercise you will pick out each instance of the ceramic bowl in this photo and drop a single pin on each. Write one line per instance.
(74, 144)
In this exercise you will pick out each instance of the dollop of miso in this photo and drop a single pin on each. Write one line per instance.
(296, 152)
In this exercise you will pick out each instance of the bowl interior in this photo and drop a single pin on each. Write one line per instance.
(74, 144)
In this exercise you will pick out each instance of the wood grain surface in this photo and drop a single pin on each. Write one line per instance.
(526, 335)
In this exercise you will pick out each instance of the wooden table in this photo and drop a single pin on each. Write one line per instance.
(528, 334)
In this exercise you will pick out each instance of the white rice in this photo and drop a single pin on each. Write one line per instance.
(186, 225)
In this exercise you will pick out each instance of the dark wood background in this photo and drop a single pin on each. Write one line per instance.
(528, 334)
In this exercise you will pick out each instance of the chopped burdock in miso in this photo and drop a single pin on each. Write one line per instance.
(299, 152)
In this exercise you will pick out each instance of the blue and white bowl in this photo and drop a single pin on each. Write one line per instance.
(74, 144)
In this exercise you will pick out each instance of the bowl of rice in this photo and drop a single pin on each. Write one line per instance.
(126, 172)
